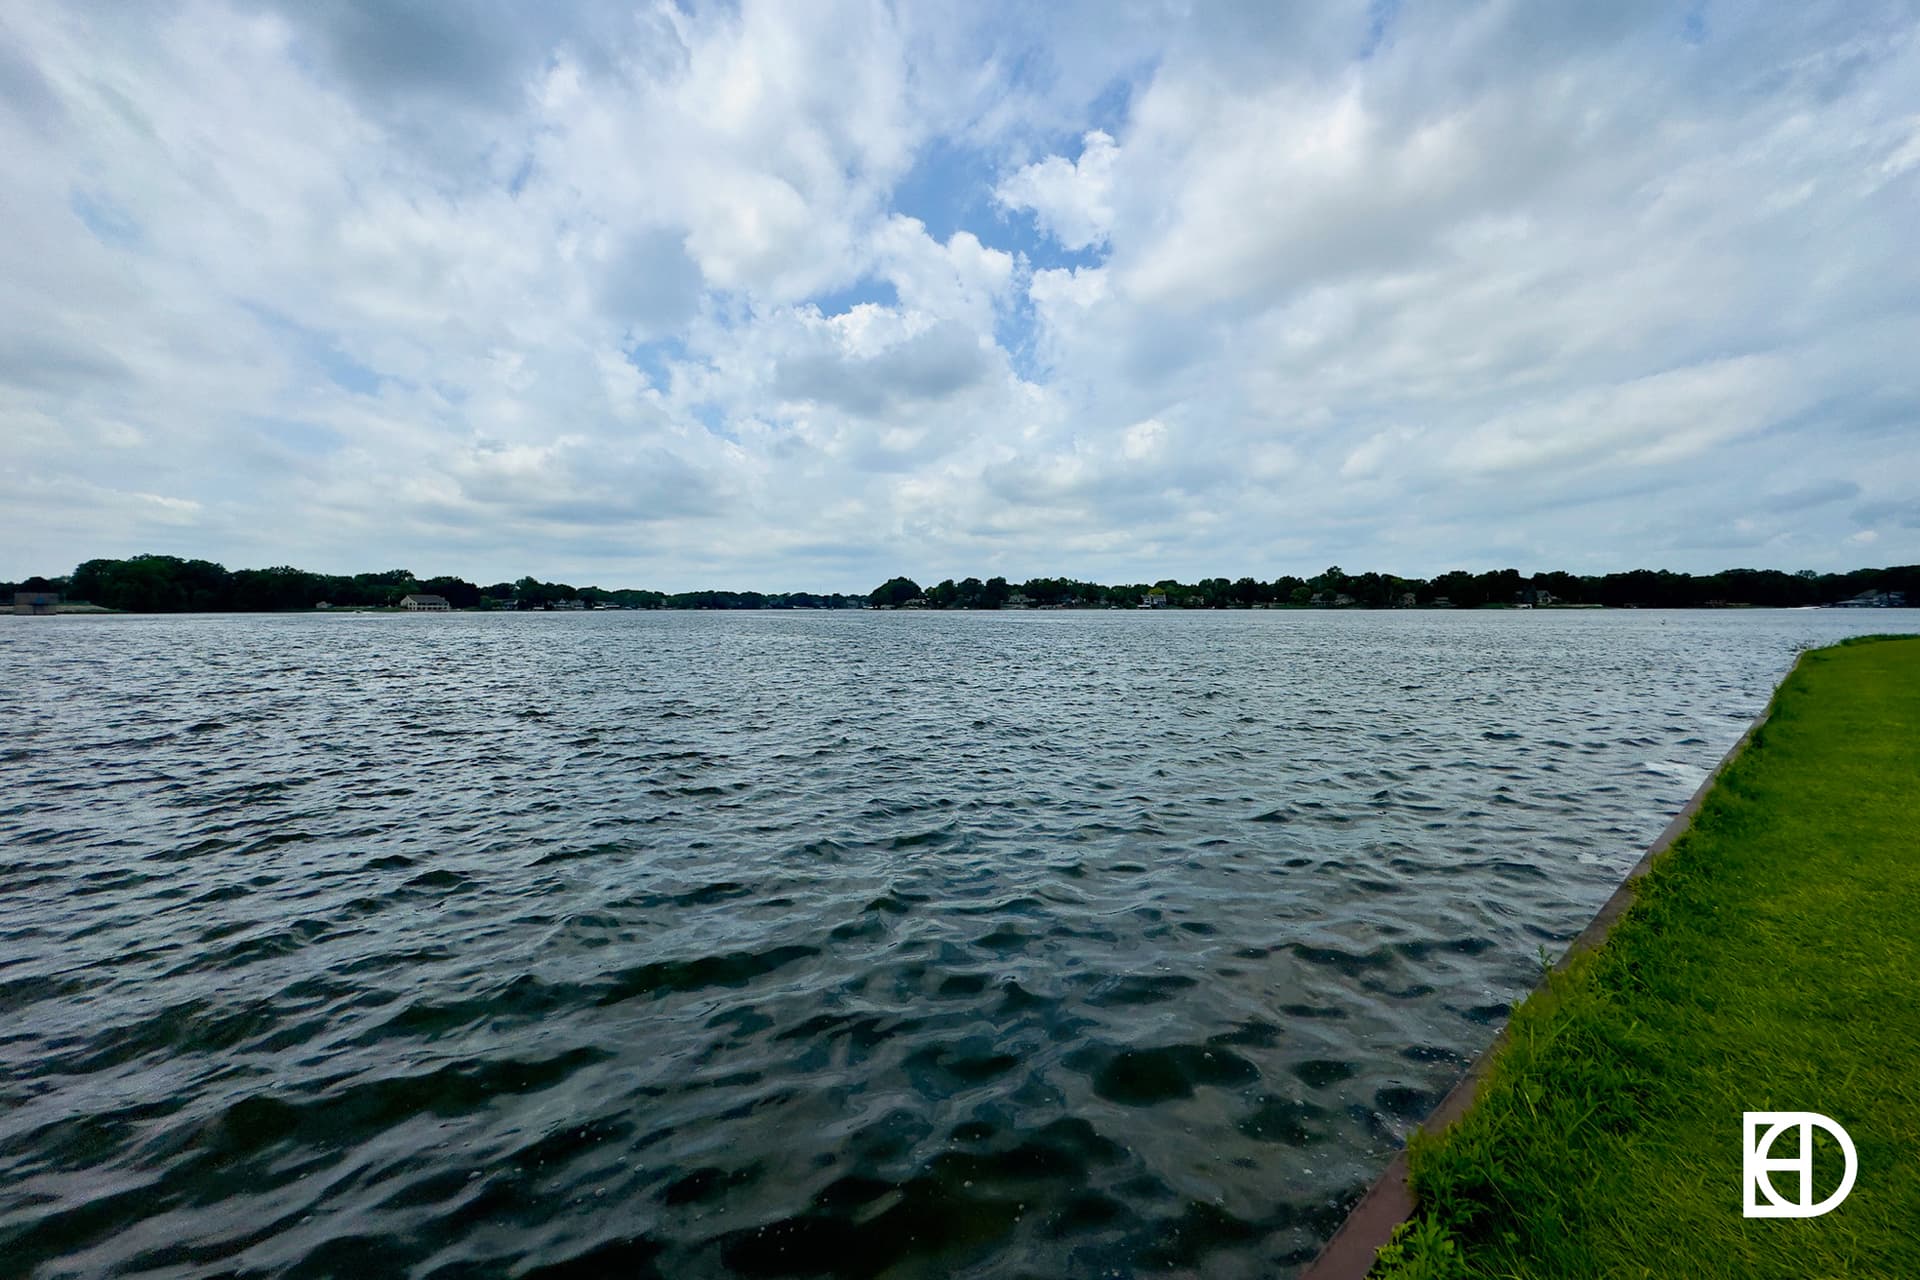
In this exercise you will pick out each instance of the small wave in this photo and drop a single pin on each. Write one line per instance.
(1147, 1077)
(733, 969)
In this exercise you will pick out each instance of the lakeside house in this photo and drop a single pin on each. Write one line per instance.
(1865, 600)
(42, 603)
(425, 604)
(1154, 599)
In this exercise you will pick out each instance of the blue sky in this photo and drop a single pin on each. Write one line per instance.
(802, 296)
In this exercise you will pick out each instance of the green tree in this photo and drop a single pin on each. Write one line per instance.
(895, 592)
(1459, 589)
(154, 584)
(457, 592)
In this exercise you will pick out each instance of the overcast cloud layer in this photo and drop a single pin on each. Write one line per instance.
(801, 295)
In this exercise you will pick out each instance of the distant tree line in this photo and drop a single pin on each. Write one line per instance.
(1335, 588)
(169, 584)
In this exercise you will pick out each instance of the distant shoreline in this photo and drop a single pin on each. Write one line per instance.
(83, 609)
(170, 584)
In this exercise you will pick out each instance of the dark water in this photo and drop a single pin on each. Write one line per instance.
(916, 945)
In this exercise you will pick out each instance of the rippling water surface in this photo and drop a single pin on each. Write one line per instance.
(792, 944)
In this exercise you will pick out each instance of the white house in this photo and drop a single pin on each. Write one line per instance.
(425, 604)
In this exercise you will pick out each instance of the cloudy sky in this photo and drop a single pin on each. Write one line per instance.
(799, 295)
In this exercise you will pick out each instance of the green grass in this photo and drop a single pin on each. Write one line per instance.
(1771, 962)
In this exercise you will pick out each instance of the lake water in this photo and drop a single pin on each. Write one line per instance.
(1046, 944)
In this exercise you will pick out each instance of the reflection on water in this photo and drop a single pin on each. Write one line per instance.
(796, 944)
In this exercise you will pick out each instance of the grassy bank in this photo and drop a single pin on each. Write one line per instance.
(1771, 962)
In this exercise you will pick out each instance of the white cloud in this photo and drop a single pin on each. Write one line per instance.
(1373, 454)
(962, 280)
(1663, 418)
(1143, 440)
(1073, 199)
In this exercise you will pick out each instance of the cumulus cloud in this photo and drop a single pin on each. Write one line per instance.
(761, 295)
(1073, 200)
(870, 377)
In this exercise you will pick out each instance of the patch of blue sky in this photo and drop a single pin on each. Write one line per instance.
(1109, 112)
(656, 359)
(346, 372)
(319, 350)
(950, 188)
(1380, 16)
(865, 290)
(1013, 330)
(521, 174)
(1693, 24)
(109, 223)
(714, 419)
(1018, 232)
(1042, 252)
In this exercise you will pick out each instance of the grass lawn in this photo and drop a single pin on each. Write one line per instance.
(1771, 962)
